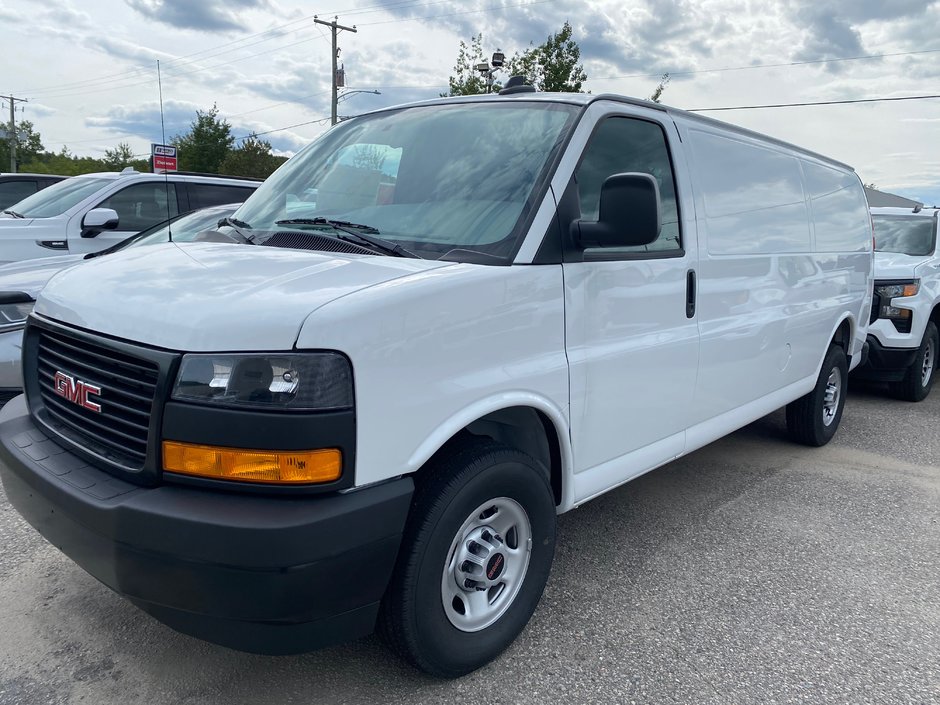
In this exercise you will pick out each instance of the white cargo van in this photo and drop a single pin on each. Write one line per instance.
(497, 308)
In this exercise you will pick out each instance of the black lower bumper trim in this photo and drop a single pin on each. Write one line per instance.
(266, 574)
(885, 364)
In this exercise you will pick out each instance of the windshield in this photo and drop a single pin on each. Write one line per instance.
(905, 234)
(58, 198)
(434, 179)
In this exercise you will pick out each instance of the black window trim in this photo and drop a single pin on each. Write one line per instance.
(573, 253)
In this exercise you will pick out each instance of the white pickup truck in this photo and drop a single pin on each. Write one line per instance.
(496, 309)
(902, 335)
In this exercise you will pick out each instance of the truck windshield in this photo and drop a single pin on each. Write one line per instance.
(454, 179)
(58, 198)
(905, 234)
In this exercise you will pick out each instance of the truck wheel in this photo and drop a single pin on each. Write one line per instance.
(813, 419)
(475, 557)
(919, 377)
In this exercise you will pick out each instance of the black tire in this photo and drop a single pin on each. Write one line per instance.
(812, 419)
(913, 387)
(457, 481)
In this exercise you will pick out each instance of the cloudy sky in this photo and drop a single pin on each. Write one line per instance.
(88, 67)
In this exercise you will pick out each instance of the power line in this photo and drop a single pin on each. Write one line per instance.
(455, 14)
(769, 66)
(820, 102)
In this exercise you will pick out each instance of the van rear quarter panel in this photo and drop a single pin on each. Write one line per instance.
(783, 260)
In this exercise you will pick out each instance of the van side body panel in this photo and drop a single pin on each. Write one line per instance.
(431, 356)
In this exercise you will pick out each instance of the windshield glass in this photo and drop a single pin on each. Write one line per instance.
(58, 198)
(906, 234)
(185, 227)
(434, 179)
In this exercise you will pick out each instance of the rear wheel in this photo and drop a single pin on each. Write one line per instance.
(814, 418)
(475, 557)
(919, 377)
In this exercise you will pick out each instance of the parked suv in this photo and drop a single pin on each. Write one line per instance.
(16, 187)
(902, 336)
(94, 211)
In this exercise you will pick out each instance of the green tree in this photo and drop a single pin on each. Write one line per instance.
(119, 157)
(657, 94)
(207, 143)
(466, 79)
(553, 65)
(252, 158)
(28, 144)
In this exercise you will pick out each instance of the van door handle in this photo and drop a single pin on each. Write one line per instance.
(690, 294)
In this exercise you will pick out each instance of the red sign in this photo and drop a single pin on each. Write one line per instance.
(164, 157)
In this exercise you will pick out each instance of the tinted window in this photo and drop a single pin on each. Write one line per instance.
(627, 145)
(907, 234)
(142, 205)
(15, 191)
(59, 197)
(204, 195)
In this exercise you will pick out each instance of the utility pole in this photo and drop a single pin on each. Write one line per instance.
(334, 28)
(12, 133)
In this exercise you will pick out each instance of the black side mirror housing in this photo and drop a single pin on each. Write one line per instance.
(98, 219)
(630, 213)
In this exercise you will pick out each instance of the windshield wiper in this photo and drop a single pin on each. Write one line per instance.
(14, 214)
(362, 233)
(237, 225)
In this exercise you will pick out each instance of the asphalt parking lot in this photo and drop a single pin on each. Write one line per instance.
(751, 571)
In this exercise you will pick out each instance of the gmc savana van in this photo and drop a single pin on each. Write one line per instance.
(370, 409)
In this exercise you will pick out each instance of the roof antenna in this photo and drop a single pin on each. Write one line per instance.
(517, 84)
(166, 178)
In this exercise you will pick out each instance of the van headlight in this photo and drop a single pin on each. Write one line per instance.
(13, 314)
(316, 381)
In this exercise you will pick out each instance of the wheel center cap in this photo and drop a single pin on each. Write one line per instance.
(494, 566)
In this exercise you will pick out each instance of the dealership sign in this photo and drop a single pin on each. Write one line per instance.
(163, 157)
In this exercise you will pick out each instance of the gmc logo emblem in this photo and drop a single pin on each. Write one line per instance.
(77, 392)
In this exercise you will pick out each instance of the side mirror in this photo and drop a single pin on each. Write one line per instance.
(98, 219)
(630, 213)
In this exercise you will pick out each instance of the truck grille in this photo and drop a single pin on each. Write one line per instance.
(128, 385)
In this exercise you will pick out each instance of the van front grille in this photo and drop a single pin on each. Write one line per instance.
(120, 427)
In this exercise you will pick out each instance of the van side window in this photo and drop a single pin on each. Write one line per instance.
(142, 205)
(629, 145)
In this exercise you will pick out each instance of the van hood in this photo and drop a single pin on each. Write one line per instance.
(30, 276)
(895, 265)
(203, 297)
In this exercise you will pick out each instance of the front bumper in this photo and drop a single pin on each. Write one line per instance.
(265, 574)
(885, 364)
(11, 372)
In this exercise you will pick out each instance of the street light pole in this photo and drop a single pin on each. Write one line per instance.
(334, 29)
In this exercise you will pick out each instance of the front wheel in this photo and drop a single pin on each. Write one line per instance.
(919, 377)
(475, 557)
(813, 419)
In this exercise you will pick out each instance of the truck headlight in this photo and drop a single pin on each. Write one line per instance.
(13, 314)
(898, 289)
(317, 381)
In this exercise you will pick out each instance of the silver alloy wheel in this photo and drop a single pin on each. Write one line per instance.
(486, 564)
(832, 395)
(929, 355)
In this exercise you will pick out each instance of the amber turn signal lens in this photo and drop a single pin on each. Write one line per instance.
(284, 467)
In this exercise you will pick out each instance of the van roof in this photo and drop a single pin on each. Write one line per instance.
(585, 99)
